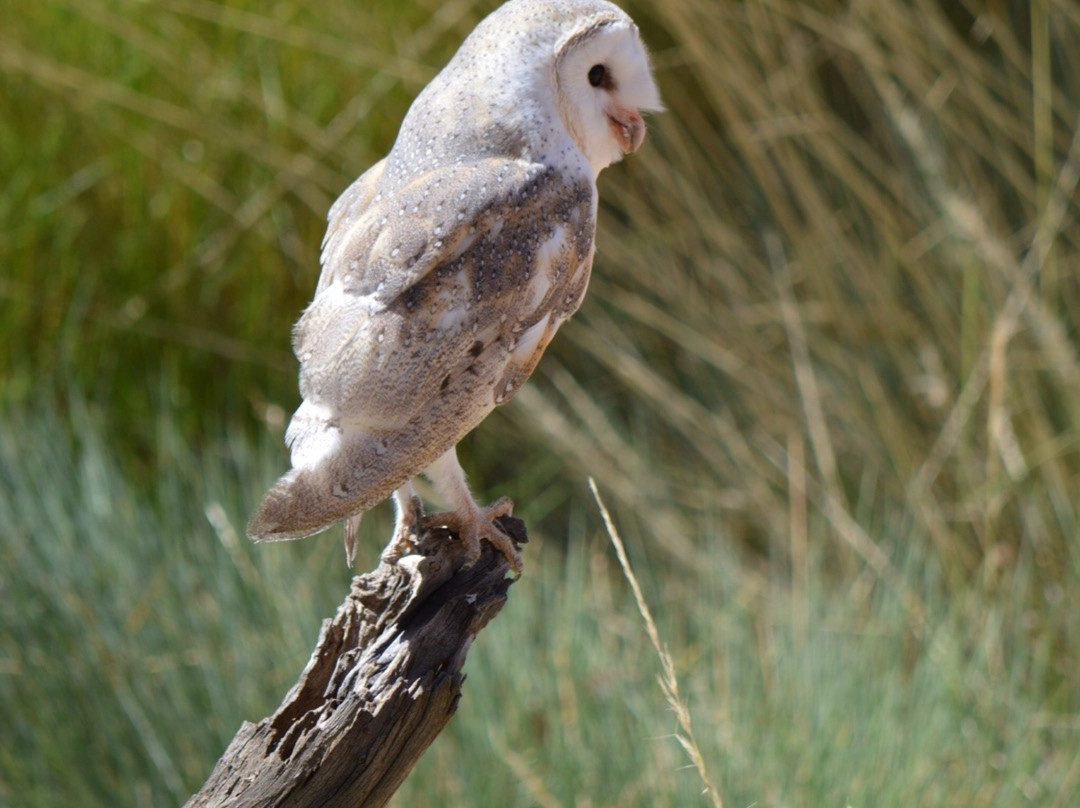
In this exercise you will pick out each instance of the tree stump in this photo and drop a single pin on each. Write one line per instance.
(382, 682)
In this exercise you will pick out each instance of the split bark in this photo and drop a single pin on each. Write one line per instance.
(382, 682)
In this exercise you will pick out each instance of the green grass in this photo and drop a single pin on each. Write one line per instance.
(139, 632)
(826, 377)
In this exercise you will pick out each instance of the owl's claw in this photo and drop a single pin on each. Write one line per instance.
(406, 531)
(478, 524)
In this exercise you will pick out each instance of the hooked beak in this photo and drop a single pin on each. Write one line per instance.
(628, 128)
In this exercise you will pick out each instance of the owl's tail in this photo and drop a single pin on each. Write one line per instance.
(308, 500)
(299, 504)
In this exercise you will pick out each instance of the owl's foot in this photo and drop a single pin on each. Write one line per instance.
(473, 524)
(410, 514)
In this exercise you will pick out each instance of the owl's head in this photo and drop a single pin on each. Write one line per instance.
(603, 84)
(533, 78)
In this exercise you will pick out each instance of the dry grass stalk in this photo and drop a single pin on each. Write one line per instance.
(669, 682)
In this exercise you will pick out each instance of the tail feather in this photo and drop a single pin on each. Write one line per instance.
(297, 505)
(307, 500)
(341, 476)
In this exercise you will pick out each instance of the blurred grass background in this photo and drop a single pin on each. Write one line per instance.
(826, 376)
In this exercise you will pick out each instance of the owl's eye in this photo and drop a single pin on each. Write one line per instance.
(597, 74)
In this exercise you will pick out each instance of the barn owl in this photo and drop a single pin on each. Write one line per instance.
(449, 265)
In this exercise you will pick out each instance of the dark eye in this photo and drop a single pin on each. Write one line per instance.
(596, 75)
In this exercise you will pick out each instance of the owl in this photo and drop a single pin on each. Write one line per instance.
(449, 265)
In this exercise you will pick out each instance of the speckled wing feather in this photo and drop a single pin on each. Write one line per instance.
(435, 304)
(352, 203)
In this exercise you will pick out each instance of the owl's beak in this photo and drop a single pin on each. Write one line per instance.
(628, 128)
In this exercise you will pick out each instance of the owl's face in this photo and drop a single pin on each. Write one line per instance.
(603, 84)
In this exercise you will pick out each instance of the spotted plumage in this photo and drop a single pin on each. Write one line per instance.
(449, 266)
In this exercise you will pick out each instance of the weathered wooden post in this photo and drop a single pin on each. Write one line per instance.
(384, 679)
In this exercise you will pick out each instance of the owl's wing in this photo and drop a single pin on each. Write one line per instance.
(382, 244)
(348, 207)
(485, 220)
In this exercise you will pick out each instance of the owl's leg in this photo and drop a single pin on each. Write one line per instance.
(471, 522)
(409, 510)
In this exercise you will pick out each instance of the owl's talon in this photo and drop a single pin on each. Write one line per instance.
(479, 525)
